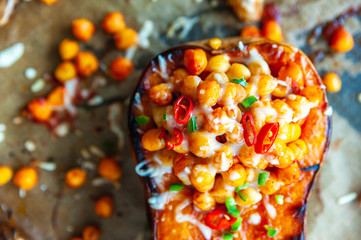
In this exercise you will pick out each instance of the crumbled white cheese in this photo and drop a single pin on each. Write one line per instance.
(38, 85)
(12, 54)
(30, 73)
(30, 145)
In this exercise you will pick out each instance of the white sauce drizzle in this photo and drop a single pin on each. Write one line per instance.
(269, 207)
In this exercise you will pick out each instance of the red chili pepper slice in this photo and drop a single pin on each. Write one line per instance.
(175, 140)
(266, 137)
(179, 108)
(247, 126)
(217, 219)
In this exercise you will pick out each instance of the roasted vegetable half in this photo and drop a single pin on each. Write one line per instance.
(229, 141)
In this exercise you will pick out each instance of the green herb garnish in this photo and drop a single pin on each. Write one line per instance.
(165, 117)
(270, 231)
(192, 124)
(175, 187)
(232, 207)
(227, 236)
(262, 178)
(243, 186)
(248, 101)
(279, 199)
(243, 196)
(236, 225)
(241, 81)
(142, 120)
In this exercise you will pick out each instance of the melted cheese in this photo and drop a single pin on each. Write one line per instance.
(254, 219)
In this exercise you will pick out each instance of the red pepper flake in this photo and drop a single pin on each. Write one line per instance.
(182, 110)
(249, 129)
(219, 219)
(176, 138)
(266, 137)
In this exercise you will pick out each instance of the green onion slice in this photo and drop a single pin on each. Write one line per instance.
(243, 186)
(165, 117)
(235, 226)
(262, 178)
(241, 81)
(142, 120)
(279, 199)
(243, 196)
(192, 124)
(270, 231)
(232, 207)
(248, 101)
(176, 187)
(227, 236)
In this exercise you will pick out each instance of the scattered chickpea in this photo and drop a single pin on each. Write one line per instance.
(289, 174)
(65, 71)
(86, 63)
(49, 2)
(75, 177)
(120, 68)
(272, 30)
(104, 207)
(195, 61)
(235, 176)
(218, 63)
(299, 148)
(109, 169)
(314, 94)
(91, 233)
(83, 29)
(56, 97)
(151, 141)
(292, 74)
(125, 38)
(250, 196)
(214, 43)
(220, 191)
(237, 71)
(251, 31)
(332, 82)
(161, 94)
(68, 49)
(26, 178)
(203, 201)
(341, 40)
(6, 173)
(208, 93)
(113, 22)
(40, 109)
(202, 178)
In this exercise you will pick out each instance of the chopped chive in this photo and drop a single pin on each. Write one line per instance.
(248, 101)
(243, 186)
(279, 199)
(232, 207)
(241, 81)
(175, 187)
(270, 231)
(262, 178)
(165, 117)
(236, 225)
(242, 195)
(192, 124)
(227, 236)
(142, 120)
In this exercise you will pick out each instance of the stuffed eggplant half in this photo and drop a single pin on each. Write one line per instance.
(229, 141)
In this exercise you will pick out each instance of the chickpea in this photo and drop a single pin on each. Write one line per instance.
(183, 147)
(26, 178)
(236, 135)
(341, 40)
(182, 165)
(203, 201)
(233, 112)
(68, 49)
(214, 43)
(218, 63)
(272, 30)
(120, 68)
(272, 185)
(167, 157)
(49, 2)
(250, 159)
(291, 131)
(251, 174)
(299, 148)
(232, 93)
(195, 60)
(75, 177)
(259, 67)
(201, 143)
(280, 91)
(208, 93)
(151, 141)
(237, 71)
(113, 22)
(314, 94)
(289, 174)
(332, 82)
(109, 168)
(65, 71)
(83, 29)
(178, 76)
(222, 159)
(221, 191)
(262, 112)
(251, 31)
(91, 233)
(250, 196)
(189, 87)
(86, 63)
(284, 153)
(213, 122)
(125, 38)
(202, 178)
(40, 109)
(292, 74)
(300, 106)
(284, 112)
(265, 84)
(6, 173)
(56, 97)
(235, 176)
(219, 77)
(161, 94)
(104, 207)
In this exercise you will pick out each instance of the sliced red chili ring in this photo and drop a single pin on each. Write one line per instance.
(175, 140)
(248, 125)
(217, 219)
(264, 141)
(179, 107)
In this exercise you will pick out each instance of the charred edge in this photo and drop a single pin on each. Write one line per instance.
(311, 168)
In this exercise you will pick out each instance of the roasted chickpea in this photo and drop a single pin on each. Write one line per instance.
(178, 76)
(86, 63)
(161, 94)
(292, 74)
(91, 233)
(221, 191)
(237, 71)
(113, 22)
(189, 87)
(151, 141)
(246, 155)
(265, 84)
(272, 30)
(183, 147)
(56, 97)
(26, 178)
(202, 178)
(214, 43)
(213, 122)
(40, 109)
(120, 68)
(236, 134)
(235, 176)
(232, 93)
(233, 112)
(341, 40)
(280, 91)
(284, 112)
(250, 196)
(65, 71)
(208, 93)
(219, 77)
(195, 60)
(75, 177)
(109, 168)
(251, 174)
(284, 153)
(251, 31)
(6, 173)
(289, 174)
(201, 143)
(182, 165)
(291, 132)
(203, 201)
(218, 63)
(332, 82)
(300, 106)
(68, 49)
(83, 29)
(167, 157)
(259, 67)
(272, 185)
(222, 159)
(314, 94)
(299, 148)
(49, 2)
(125, 38)
(104, 207)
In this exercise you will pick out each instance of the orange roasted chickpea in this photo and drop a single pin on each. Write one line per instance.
(56, 97)
(214, 43)
(26, 178)
(68, 49)
(272, 30)
(6, 173)
(292, 74)
(203, 201)
(314, 94)
(109, 169)
(49, 2)
(289, 174)
(40, 109)
(235, 176)
(161, 94)
(120, 68)
(178, 76)
(75, 177)
(202, 178)
(220, 191)
(86, 63)
(332, 82)
(104, 207)
(272, 185)
(341, 40)
(251, 31)
(151, 141)
(91, 233)
(83, 29)
(195, 60)
(182, 164)
(65, 71)
(125, 38)
(208, 93)
(113, 22)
